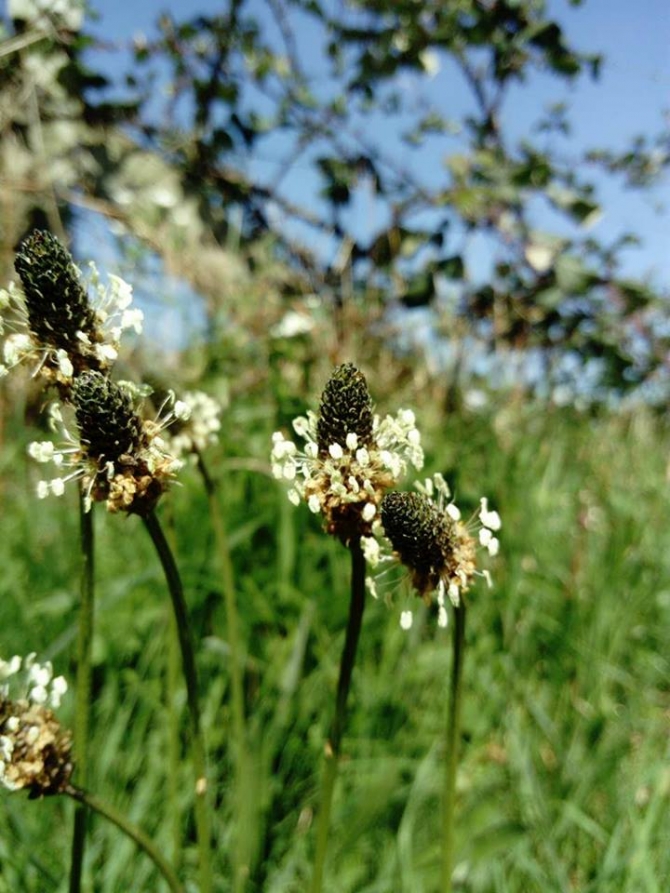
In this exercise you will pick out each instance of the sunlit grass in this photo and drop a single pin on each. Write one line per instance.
(563, 783)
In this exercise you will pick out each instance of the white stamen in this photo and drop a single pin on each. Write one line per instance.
(406, 620)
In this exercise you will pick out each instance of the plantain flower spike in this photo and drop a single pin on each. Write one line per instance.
(120, 458)
(425, 533)
(351, 457)
(346, 408)
(52, 319)
(35, 751)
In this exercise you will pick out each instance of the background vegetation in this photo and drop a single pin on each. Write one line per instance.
(565, 782)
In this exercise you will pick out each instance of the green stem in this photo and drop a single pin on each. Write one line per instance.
(241, 855)
(452, 746)
(173, 737)
(83, 798)
(83, 686)
(334, 743)
(202, 818)
(172, 683)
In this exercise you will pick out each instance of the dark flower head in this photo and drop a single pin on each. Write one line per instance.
(107, 421)
(56, 302)
(346, 408)
(120, 458)
(52, 321)
(424, 532)
(424, 537)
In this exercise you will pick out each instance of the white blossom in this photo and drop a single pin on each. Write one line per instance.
(406, 620)
(199, 422)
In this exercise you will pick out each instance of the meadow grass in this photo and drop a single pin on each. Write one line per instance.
(564, 781)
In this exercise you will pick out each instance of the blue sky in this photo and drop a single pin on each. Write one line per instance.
(629, 99)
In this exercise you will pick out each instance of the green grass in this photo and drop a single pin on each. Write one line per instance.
(564, 782)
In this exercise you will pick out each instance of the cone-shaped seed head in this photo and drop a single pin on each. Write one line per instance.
(57, 304)
(108, 424)
(423, 536)
(37, 751)
(346, 408)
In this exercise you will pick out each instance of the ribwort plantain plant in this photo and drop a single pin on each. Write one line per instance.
(52, 322)
(350, 459)
(425, 533)
(115, 456)
(345, 473)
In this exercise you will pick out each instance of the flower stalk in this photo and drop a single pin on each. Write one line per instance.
(452, 742)
(173, 580)
(334, 743)
(86, 800)
(83, 687)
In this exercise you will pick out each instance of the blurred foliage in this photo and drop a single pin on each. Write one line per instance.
(173, 154)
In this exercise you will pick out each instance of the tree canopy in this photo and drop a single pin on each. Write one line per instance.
(276, 125)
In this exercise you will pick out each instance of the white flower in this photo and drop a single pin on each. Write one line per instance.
(371, 550)
(24, 678)
(41, 451)
(489, 519)
(9, 667)
(42, 489)
(369, 511)
(16, 347)
(198, 423)
(406, 620)
(58, 689)
(58, 486)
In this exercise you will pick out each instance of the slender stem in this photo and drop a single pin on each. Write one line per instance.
(144, 842)
(333, 745)
(83, 686)
(202, 818)
(173, 709)
(452, 745)
(173, 748)
(241, 838)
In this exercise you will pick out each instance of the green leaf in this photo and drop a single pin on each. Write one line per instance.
(572, 274)
(420, 290)
(451, 267)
